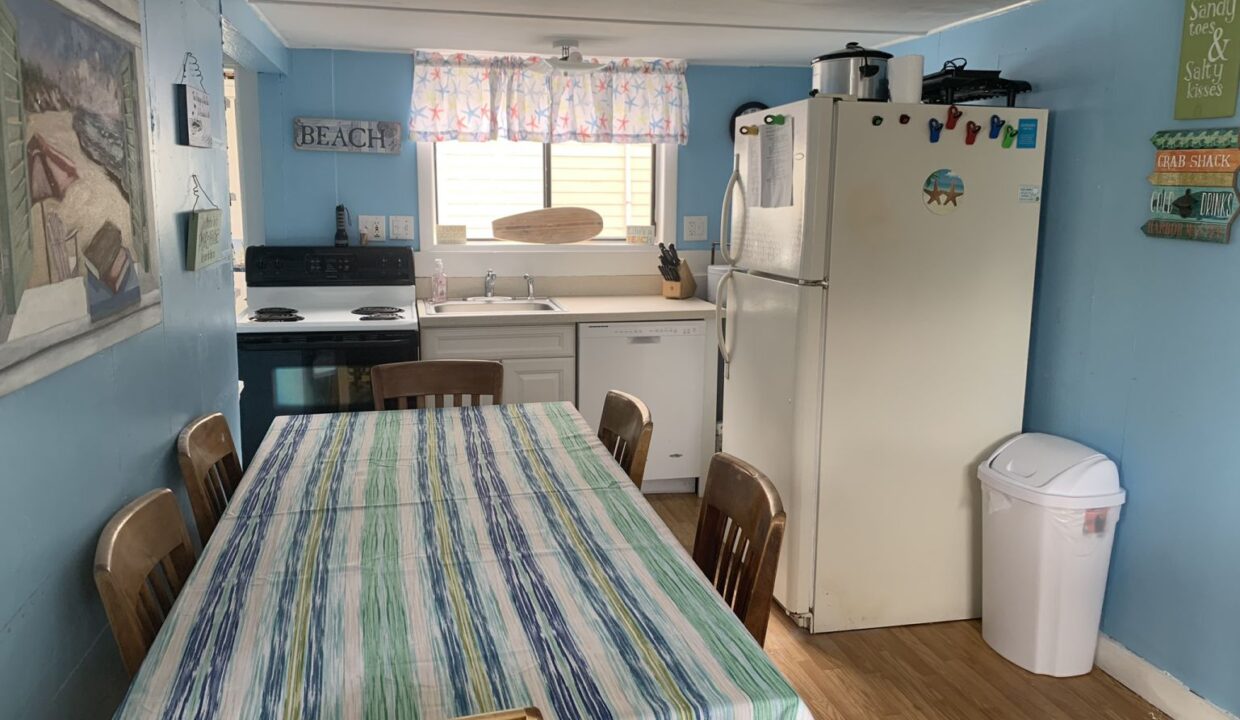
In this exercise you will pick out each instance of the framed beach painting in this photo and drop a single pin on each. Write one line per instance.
(79, 265)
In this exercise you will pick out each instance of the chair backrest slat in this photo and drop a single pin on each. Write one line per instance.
(739, 533)
(436, 383)
(625, 430)
(211, 469)
(142, 561)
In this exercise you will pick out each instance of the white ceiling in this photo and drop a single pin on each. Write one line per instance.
(763, 32)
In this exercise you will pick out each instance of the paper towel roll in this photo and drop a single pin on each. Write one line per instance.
(904, 75)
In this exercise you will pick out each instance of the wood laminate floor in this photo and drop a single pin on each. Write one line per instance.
(942, 671)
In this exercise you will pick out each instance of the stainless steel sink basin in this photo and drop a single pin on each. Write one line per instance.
(495, 305)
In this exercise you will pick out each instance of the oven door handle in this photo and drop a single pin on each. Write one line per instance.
(334, 344)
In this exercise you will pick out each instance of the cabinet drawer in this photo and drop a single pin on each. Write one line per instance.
(499, 343)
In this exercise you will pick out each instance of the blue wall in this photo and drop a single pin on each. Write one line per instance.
(301, 189)
(1136, 343)
(78, 445)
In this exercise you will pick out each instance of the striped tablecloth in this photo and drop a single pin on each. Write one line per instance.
(437, 563)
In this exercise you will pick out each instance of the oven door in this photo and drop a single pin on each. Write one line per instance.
(302, 373)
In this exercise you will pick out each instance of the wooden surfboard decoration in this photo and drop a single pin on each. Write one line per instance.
(550, 226)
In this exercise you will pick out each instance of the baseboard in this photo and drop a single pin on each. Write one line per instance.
(671, 485)
(1161, 689)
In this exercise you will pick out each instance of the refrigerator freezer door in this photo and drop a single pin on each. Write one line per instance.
(770, 409)
(926, 349)
(785, 240)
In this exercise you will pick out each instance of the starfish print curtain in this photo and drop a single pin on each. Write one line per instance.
(478, 98)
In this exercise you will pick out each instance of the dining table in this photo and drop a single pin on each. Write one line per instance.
(444, 562)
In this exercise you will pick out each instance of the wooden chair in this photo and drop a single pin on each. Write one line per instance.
(740, 528)
(625, 430)
(529, 713)
(429, 383)
(211, 469)
(141, 563)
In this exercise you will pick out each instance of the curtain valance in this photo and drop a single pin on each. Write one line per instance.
(476, 98)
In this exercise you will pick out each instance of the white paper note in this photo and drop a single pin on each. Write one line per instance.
(776, 141)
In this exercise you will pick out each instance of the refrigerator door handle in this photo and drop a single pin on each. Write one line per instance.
(721, 295)
(725, 218)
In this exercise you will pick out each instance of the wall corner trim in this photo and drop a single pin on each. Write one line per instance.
(1163, 690)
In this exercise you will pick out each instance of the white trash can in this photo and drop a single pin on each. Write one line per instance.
(1049, 508)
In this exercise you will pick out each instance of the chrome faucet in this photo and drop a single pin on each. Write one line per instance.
(529, 287)
(488, 284)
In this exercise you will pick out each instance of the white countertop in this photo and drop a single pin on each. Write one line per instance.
(587, 308)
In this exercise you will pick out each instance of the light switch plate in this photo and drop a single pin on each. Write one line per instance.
(402, 227)
(695, 228)
(373, 228)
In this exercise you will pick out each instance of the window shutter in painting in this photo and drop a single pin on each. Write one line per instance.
(133, 161)
(16, 242)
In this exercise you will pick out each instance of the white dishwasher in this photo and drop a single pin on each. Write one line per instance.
(661, 363)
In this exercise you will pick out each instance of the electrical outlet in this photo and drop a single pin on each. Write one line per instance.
(372, 228)
(695, 228)
(402, 227)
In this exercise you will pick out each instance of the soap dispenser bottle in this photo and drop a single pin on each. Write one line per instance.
(439, 283)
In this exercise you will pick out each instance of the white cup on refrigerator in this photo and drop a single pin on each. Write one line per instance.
(904, 75)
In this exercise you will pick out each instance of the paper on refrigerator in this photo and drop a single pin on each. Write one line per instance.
(768, 160)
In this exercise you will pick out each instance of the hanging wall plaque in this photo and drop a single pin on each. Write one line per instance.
(1209, 60)
(359, 136)
(193, 106)
(1194, 197)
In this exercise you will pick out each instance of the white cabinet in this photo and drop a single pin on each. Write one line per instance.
(540, 362)
(540, 379)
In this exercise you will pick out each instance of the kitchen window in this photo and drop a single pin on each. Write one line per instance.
(474, 183)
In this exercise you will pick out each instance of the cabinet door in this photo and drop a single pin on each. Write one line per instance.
(540, 380)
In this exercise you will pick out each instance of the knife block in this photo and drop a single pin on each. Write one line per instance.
(683, 288)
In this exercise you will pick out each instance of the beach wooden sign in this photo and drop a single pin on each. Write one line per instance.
(376, 137)
(1194, 178)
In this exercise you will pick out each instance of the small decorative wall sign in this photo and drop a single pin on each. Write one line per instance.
(359, 136)
(193, 106)
(203, 247)
(1209, 60)
(1194, 178)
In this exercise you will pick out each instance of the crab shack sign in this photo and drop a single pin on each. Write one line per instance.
(360, 136)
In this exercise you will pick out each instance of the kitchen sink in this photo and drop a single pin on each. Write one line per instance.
(494, 305)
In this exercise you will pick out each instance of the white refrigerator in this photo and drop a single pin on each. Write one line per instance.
(876, 340)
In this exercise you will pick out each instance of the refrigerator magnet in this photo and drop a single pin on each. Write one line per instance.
(953, 116)
(1027, 133)
(1009, 134)
(942, 191)
(996, 126)
(971, 129)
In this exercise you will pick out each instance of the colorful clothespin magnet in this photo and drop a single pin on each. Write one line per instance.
(773, 119)
(953, 114)
(876, 120)
(971, 129)
(904, 119)
(996, 126)
(749, 130)
(1009, 134)
(936, 129)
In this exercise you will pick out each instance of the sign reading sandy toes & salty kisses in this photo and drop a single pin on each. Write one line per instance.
(360, 136)
(1209, 60)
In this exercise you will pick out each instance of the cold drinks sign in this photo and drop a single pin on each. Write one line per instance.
(1209, 60)
(362, 136)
